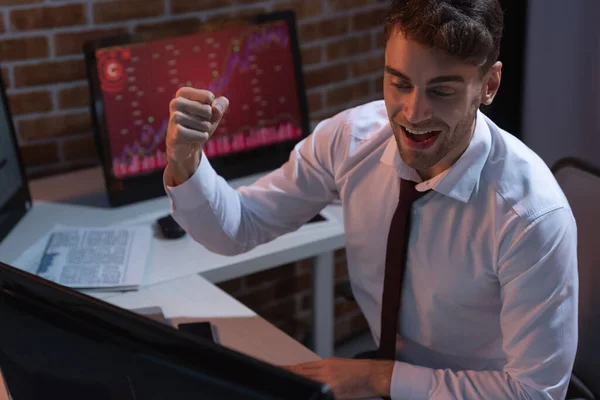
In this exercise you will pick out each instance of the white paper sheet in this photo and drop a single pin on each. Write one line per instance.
(96, 258)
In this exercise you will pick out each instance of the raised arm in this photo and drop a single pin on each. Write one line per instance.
(229, 221)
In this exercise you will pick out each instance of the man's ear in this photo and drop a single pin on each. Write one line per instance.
(491, 83)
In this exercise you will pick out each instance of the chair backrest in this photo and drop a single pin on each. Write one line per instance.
(581, 184)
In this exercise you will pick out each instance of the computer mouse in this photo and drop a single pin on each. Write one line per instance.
(169, 228)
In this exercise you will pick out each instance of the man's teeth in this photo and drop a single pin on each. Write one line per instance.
(417, 132)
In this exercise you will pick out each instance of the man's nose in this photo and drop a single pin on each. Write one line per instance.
(417, 108)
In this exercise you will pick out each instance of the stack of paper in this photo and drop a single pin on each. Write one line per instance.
(96, 258)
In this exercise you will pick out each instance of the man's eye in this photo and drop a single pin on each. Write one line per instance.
(442, 92)
(401, 85)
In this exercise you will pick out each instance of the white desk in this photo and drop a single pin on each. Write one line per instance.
(193, 298)
(78, 198)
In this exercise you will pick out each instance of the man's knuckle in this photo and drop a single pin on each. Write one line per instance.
(180, 92)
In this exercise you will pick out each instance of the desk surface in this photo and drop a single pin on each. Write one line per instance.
(72, 207)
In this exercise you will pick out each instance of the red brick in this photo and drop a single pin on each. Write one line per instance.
(341, 271)
(326, 75)
(294, 328)
(49, 170)
(283, 309)
(24, 48)
(2, 28)
(348, 47)
(24, 103)
(359, 324)
(328, 113)
(342, 330)
(315, 102)
(339, 289)
(80, 148)
(380, 40)
(304, 266)
(72, 42)
(326, 28)
(312, 55)
(54, 126)
(342, 5)
(6, 78)
(36, 155)
(49, 72)
(347, 93)
(48, 17)
(345, 307)
(306, 302)
(378, 83)
(302, 8)
(232, 16)
(339, 255)
(177, 27)
(272, 274)
(231, 286)
(368, 65)
(123, 10)
(18, 2)
(368, 20)
(185, 6)
(276, 291)
(78, 96)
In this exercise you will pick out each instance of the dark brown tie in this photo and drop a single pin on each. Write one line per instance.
(395, 261)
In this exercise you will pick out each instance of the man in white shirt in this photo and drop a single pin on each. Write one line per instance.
(489, 299)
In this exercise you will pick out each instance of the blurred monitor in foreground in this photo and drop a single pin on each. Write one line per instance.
(56, 343)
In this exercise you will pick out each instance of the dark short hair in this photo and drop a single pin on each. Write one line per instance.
(469, 30)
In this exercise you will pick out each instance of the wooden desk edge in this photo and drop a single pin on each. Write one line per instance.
(257, 338)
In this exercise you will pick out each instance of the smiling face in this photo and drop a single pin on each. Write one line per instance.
(432, 101)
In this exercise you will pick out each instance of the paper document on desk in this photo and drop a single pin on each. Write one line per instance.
(96, 258)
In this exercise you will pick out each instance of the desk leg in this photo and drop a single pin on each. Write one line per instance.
(323, 304)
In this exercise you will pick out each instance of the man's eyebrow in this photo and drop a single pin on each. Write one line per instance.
(395, 72)
(436, 80)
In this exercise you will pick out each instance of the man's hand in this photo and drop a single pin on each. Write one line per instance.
(194, 117)
(349, 378)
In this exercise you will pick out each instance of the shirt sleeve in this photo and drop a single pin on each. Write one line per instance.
(539, 288)
(232, 221)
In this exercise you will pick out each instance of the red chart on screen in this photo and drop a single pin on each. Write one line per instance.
(252, 66)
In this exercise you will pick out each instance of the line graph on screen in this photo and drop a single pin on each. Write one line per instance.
(252, 66)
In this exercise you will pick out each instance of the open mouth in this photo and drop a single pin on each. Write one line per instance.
(421, 138)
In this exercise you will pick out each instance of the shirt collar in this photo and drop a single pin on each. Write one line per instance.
(458, 181)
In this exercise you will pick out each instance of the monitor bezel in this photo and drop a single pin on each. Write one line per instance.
(56, 304)
(122, 191)
(20, 202)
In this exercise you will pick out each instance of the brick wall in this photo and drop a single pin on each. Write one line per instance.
(43, 67)
(283, 296)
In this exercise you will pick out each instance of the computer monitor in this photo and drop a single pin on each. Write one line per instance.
(15, 199)
(254, 62)
(56, 343)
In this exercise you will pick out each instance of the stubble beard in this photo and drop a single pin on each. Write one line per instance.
(424, 160)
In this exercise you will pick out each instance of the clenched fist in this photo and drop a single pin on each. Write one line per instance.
(194, 117)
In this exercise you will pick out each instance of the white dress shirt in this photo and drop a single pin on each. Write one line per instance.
(489, 303)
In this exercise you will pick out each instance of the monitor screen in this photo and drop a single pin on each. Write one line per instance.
(56, 343)
(14, 195)
(254, 64)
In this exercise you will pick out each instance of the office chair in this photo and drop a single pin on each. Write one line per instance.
(580, 182)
